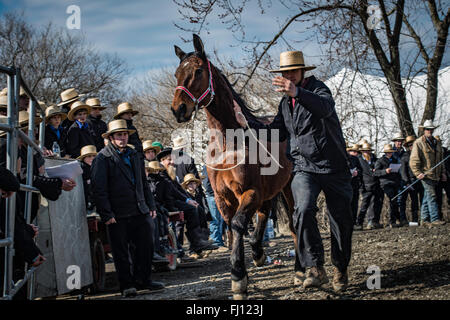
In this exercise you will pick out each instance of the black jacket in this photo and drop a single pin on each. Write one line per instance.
(51, 137)
(184, 164)
(405, 171)
(115, 194)
(134, 138)
(354, 163)
(174, 188)
(78, 138)
(87, 185)
(99, 126)
(369, 181)
(162, 191)
(313, 129)
(391, 179)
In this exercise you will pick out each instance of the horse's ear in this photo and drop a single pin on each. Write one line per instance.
(180, 53)
(198, 46)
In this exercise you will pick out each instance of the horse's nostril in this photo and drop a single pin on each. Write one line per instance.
(182, 109)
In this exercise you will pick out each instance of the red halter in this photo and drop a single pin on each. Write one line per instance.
(203, 96)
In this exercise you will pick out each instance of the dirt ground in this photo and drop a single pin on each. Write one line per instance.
(414, 263)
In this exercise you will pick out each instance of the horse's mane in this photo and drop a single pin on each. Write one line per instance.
(248, 113)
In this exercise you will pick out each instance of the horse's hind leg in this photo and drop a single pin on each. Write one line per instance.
(239, 223)
(256, 240)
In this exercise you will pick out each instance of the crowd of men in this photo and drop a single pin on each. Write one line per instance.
(132, 183)
(396, 174)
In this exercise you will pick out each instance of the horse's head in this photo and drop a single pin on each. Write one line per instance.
(193, 82)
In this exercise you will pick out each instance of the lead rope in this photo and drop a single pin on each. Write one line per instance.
(243, 141)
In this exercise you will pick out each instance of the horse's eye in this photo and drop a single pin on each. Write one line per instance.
(198, 72)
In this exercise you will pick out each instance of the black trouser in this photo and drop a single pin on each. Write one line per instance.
(401, 201)
(192, 221)
(136, 231)
(355, 200)
(413, 193)
(372, 201)
(338, 195)
(442, 186)
(391, 191)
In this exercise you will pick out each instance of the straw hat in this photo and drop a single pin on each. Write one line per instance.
(362, 141)
(3, 102)
(69, 95)
(366, 147)
(53, 111)
(388, 148)
(190, 177)
(22, 92)
(398, 137)
(154, 166)
(76, 106)
(124, 108)
(24, 117)
(179, 143)
(95, 103)
(409, 140)
(291, 60)
(88, 150)
(428, 124)
(117, 126)
(353, 147)
(148, 145)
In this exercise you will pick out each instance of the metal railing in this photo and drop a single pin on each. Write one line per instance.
(14, 83)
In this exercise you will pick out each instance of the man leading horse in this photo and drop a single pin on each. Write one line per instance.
(307, 117)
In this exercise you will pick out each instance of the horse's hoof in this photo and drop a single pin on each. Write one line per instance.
(239, 289)
(240, 296)
(260, 261)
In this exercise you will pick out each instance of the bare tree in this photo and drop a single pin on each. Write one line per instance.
(348, 30)
(53, 59)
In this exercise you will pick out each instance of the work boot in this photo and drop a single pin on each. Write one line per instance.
(129, 293)
(299, 278)
(425, 223)
(438, 223)
(340, 280)
(370, 226)
(201, 245)
(315, 277)
(377, 225)
(404, 223)
(357, 227)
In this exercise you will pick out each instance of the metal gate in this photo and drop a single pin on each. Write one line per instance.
(14, 83)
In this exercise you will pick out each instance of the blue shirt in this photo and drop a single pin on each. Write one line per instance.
(125, 156)
(57, 131)
(82, 125)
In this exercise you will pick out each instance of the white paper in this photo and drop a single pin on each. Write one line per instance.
(65, 171)
(395, 167)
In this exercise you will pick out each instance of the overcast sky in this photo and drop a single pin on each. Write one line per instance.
(143, 33)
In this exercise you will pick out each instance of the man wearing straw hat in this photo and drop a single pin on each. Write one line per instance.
(95, 121)
(125, 203)
(68, 97)
(80, 134)
(408, 178)
(126, 112)
(398, 140)
(54, 131)
(426, 153)
(372, 195)
(150, 150)
(390, 182)
(88, 153)
(307, 117)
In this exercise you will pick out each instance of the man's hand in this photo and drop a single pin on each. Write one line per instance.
(112, 220)
(47, 153)
(68, 184)
(355, 173)
(193, 203)
(153, 214)
(6, 194)
(285, 86)
(35, 229)
(388, 170)
(421, 176)
(444, 177)
(240, 118)
(38, 261)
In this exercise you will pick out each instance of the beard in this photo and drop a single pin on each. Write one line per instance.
(171, 171)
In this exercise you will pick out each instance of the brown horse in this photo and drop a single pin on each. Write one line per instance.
(240, 190)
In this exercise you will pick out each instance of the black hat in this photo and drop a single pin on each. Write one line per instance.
(164, 152)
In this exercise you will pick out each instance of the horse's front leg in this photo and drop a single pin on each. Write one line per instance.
(239, 224)
(256, 240)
